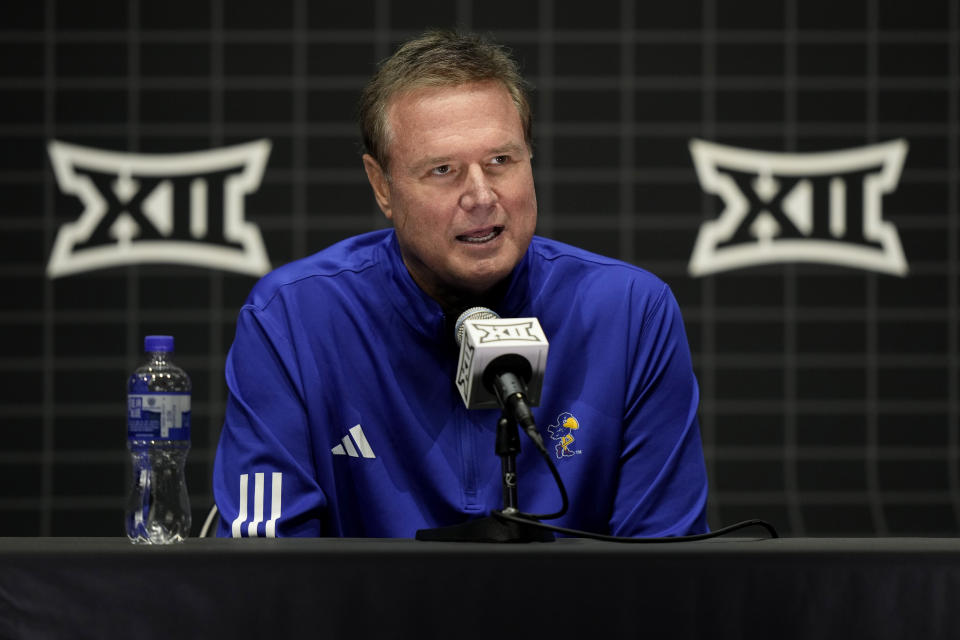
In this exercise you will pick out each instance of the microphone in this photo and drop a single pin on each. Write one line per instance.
(501, 364)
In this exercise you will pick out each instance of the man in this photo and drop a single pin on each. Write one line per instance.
(343, 418)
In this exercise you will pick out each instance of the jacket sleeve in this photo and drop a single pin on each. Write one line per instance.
(264, 480)
(662, 488)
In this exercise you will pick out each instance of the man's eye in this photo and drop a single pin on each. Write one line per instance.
(501, 160)
(442, 170)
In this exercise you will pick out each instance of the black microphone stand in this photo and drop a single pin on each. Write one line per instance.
(492, 528)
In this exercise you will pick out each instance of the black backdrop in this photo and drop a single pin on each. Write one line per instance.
(830, 394)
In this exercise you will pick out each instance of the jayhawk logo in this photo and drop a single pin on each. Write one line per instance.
(563, 431)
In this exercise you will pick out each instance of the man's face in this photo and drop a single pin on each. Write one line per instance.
(460, 191)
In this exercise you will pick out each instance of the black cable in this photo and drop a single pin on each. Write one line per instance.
(600, 536)
(534, 519)
(538, 441)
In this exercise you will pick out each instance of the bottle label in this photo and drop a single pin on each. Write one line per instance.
(158, 416)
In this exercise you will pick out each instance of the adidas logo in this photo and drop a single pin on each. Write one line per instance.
(346, 447)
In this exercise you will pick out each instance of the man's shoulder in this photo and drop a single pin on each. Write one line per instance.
(330, 267)
(576, 264)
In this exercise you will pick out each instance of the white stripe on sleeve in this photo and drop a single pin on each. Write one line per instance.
(276, 480)
(257, 505)
(242, 515)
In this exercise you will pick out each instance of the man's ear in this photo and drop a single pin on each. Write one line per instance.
(379, 183)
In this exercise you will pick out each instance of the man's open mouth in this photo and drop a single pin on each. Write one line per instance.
(480, 236)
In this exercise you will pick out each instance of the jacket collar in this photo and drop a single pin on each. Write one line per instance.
(423, 314)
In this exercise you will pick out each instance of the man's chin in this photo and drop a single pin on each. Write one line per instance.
(479, 283)
(488, 271)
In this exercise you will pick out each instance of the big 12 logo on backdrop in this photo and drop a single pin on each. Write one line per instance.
(174, 208)
(799, 207)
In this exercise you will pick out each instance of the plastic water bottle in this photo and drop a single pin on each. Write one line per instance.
(158, 437)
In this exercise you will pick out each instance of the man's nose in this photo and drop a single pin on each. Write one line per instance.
(477, 190)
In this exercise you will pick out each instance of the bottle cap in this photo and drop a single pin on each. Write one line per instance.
(158, 343)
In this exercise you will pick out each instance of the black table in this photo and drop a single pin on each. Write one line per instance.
(324, 588)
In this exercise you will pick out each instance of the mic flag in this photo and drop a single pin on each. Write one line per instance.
(484, 337)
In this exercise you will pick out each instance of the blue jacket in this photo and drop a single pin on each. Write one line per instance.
(343, 418)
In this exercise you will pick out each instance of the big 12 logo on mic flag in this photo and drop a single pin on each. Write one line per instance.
(799, 207)
(486, 340)
(174, 208)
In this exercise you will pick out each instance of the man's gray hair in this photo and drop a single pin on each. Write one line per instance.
(438, 59)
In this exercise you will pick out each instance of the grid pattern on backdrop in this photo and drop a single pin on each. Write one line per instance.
(830, 396)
